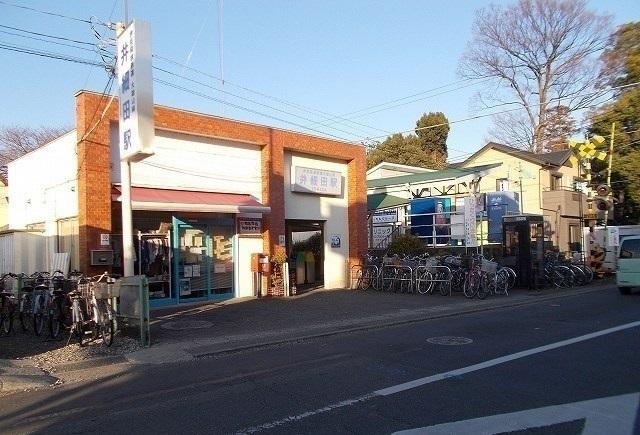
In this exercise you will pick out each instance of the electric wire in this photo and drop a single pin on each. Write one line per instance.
(51, 55)
(61, 38)
(54, 14)
(218, 100)
(245, 99)
(297, 106)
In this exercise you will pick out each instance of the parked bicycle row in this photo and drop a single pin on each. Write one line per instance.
(82, 305)
(473, 275)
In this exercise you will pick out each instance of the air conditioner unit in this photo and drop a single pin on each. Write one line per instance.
(102, 257)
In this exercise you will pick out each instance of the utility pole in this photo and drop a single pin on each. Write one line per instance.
(520, 178)
(609, 196)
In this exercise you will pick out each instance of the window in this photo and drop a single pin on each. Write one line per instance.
(630, 249)
(68, 240)
(502, 185)
(556, 182)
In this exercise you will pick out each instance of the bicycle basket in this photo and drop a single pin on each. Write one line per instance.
(103, 290)
(488, 266)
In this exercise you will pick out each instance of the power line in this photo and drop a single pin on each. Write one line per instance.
(297, 106)
(54, 14)
(218, 100)
(407, 102)
(47, 41)
(243, 98)
(62, 38)
(51, 55)
(506, 111)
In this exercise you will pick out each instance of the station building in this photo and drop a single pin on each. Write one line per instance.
(215, 191)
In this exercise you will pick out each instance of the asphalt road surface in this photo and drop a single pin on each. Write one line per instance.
(567, 366)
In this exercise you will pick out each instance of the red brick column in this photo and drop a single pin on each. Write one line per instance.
(94, 174)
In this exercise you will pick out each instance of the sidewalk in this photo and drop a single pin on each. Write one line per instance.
(188, 332)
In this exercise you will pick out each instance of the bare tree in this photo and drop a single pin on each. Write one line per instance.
(540, 54)
(16, 141)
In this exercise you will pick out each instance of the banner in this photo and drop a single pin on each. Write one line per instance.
(470, 236)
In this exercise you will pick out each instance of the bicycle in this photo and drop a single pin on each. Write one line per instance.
(41, 301)
(103, 318)
(7, 305)
(58, 306)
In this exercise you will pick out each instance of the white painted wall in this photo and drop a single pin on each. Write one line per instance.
(43, 183)
(43, 188)
(188, 162)
(332, 209)
(244, 280)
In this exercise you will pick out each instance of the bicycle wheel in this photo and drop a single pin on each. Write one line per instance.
(580, 277)
(78, 328)
(6, 316)
(485, 287)
(423, 282)
(25, 313)
(471, 284)
(107, 332)
(588, 273)
(444, 285)
(56, 319)
(38, 315)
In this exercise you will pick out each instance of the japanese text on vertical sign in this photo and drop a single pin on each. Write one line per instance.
(135, 91)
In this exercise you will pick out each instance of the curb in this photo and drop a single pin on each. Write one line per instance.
(542, 298)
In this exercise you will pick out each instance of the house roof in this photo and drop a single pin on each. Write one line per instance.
(377, 201)
(398, 166)
(555, 158)
(445, 174)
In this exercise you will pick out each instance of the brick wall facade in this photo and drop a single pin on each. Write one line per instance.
(94, 173)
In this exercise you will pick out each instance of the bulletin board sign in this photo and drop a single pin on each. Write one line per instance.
(249, 227)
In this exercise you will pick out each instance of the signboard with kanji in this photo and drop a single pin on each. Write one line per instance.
(250, 226)
(135, 91)
(318, 181)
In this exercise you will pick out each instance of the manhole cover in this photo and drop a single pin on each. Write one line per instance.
(450, 341)
(187, 324)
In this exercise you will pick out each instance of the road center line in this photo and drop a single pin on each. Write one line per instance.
(438, 377)
(501, 360)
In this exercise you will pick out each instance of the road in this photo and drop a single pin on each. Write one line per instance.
(570, 365)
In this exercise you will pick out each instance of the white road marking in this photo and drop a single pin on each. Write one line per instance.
(438, 377)
(501, 360)
(614, 415)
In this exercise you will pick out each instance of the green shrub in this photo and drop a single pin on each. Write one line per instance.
(406, 244)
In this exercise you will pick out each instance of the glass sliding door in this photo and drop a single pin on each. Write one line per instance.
(203, 263)
(193, 263)
(222, 258)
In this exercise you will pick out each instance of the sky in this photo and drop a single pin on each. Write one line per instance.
(291, 64)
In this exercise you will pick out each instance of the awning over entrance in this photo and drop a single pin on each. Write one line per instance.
(152, 199)
(378, 201)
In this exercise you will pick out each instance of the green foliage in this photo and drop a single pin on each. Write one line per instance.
(434, 138)
(427, 148)
(406, 244)
(621, 65)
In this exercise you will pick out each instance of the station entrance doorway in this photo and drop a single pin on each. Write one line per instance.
(305, 251)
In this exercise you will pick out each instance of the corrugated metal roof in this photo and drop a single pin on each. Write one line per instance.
(445, 174)
(378, 201)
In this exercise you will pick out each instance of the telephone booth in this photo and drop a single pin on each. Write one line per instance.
(523, 248)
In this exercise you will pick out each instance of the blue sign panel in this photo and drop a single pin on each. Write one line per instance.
(433, 218)
(499, 204)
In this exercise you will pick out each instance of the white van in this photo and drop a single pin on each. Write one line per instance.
(628, 270)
